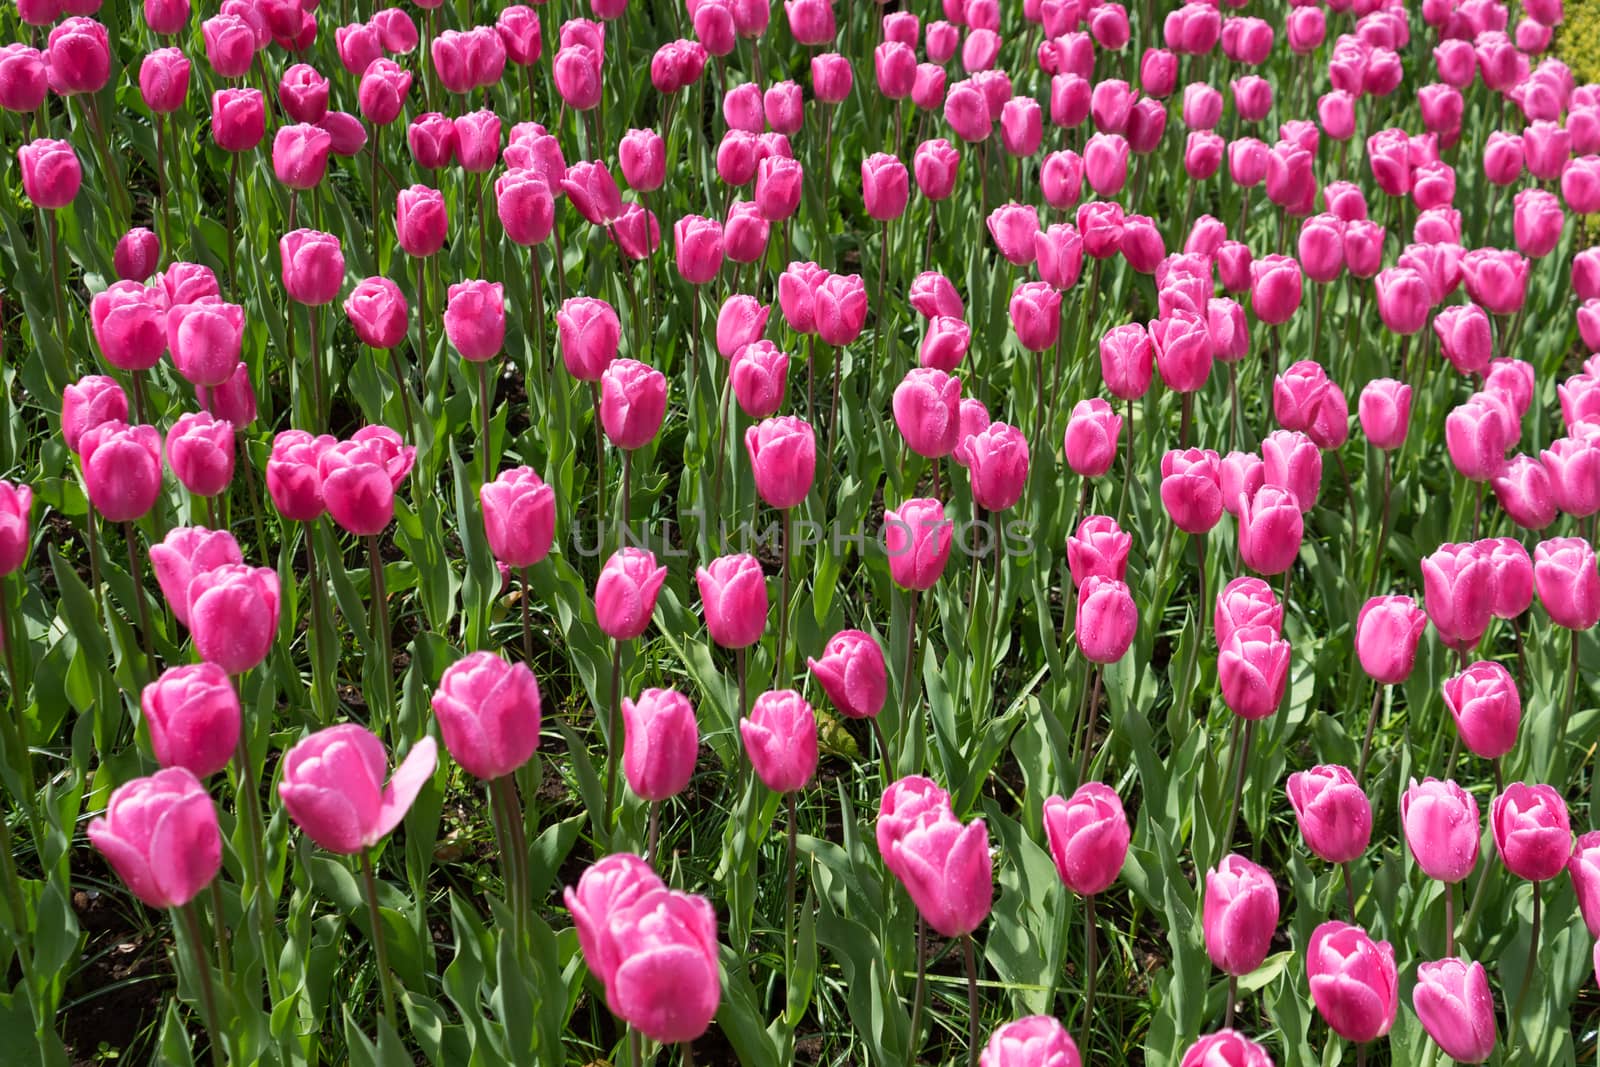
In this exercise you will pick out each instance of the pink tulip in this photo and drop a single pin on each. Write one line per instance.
(1253, 671)
(1275, 287)
(488, 712)
(1531, 831)
(926, 410)
(783, 459)
(1013, 227)
(1387, 631)
(1229, 1048)
(1088, 836)
(192, 713)
(1584, 867)
(1353, 981)
(853, 673)
(1486, 707)
(660, 745)
(1456, 1008)
(300, 155)
(1240, 915)
(1107, 619)
(294, 478)
(1190, 489)
(519, 514)
(780, 736)
(233, 615)
(1524, 490)
(1098, 547)
(733, 590)
(332, 786)
(130, 325)
(947, 869)
(1465, 337)
(589, 332)
(1033, 1041)
(1334, 815)
(377, 312)
(1440, 820)
(1240, 474)
(996, 459)
(1573, 465)
(1127, 360)
(840, 307)
(1385, 412)
(917, 537)
(160, 835)
(1090, 446)
(1270, 530)
(185, 552)
(121, 469)
(420, 221)
(633, 401)
(1496, 279)
(1568, 583)
(360, 476)
(475, 319)
(200, 453)
(51, 173)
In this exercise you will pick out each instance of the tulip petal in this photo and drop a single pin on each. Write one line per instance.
(408, 779)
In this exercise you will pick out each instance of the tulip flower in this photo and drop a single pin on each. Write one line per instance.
(1440, 820)
(488, 712)
(160, 835)
(1353, 981)
(1456, 1008)
(661, 745)
(1033, 1041)
(1240, 915)
(1334, 815)
(1486, 707)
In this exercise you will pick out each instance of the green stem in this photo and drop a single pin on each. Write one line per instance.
(1241, 759)
(378, 942)
(1527, 973)
(189, 915)
(504, 792)
(973, 1019)
(1366, 742)
(380, 627)
(788, 895)
(135, 571)
(1093, 971)
(917, 998)
(219, 923)
(613, 742)
(484, 401)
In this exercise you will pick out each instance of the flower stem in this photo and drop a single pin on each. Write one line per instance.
(1527, 972)
(504, 794)
(190, 917)
(1241, 759)
(973, 1019)
(916, 999)
(484, 401)
(613, 743)
(380, 628)
(219, 924)
(135, 571)
(1093, 945)
(378, 942)
(654, 838)
(1366, 742)
(778, 666)
(788, 895)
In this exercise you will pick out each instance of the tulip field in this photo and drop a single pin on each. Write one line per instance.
(1036, 534)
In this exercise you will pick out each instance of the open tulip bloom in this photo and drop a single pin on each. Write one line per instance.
(1064, 459)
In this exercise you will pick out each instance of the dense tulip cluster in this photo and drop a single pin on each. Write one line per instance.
(704, 399)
